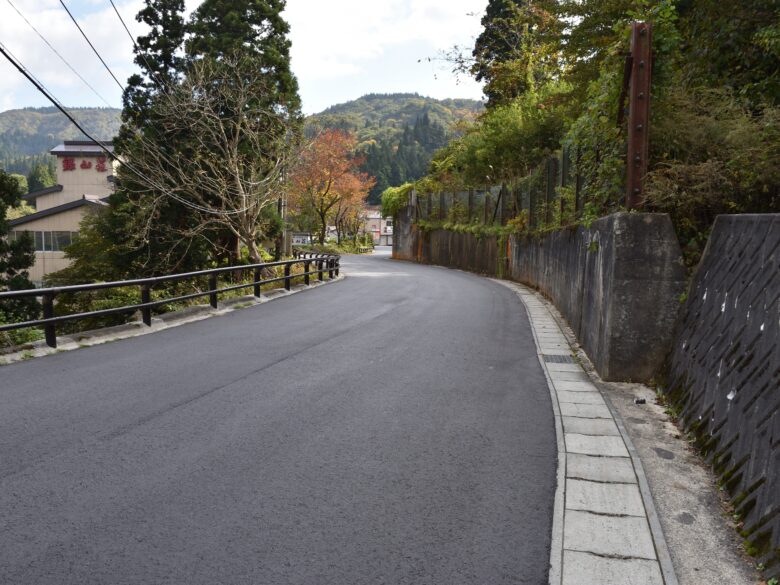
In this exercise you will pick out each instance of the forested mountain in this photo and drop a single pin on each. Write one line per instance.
(26, 135)
(397, 133)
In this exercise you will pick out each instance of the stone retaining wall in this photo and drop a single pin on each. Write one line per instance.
(618, 283)
(725, 370)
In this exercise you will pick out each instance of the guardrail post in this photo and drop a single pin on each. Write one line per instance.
(320, 275)
(213, 289)
(287, 277)
(337, 263)
(257, 283)
(306, 264)
(50, 329)
(330, 268)
(146, 297)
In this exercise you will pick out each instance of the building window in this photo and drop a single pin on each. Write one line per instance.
(47, 241)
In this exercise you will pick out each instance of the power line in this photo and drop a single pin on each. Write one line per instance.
(49, 96)
(163, 87)
(56, 52)
(135, 45)
(83, 34)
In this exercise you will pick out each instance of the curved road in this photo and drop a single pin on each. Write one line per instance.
(392, 428)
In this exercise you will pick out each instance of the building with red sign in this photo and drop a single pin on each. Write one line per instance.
(85, 178)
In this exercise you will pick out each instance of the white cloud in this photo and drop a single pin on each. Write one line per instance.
(356, 31)
(103, 29)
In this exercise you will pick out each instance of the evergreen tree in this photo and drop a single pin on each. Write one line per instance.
(16, 256)
(145, 229)
(253, 29)
(158, 57)
(140, 234)
(393, 163)
(40, 177)
(517, 50)
(21, 183)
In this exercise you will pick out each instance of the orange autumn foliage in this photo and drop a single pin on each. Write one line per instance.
(326, 179)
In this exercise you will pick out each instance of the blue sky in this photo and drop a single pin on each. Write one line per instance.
(341, 49)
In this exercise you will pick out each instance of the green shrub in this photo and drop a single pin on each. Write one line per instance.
(17, 337)
(395, 198)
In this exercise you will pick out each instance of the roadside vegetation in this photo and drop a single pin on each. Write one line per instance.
(211, 130)
(16, 257)
(553, 73)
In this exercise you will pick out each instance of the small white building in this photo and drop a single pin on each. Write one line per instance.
(380, 228)
(85, 178)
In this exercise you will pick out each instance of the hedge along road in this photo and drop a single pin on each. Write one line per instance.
(394, 428)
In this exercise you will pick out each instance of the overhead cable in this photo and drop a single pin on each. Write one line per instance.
(49, 96)
(94, 50)
(56, 52)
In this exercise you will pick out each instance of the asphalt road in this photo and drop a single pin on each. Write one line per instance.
(391, 428)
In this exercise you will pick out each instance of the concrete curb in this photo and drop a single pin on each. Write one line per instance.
(556, 540)
(159, 323)
(661, 548)
(605, 527)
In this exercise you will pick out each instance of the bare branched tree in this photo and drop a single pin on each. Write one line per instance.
(228, 152)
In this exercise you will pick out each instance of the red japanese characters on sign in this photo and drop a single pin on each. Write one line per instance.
(86, 164)
(68, 164)
(101, 164)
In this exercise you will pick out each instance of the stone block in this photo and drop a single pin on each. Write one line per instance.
(603, 469)
(581, 568)
(585, 410)
(590, 426)
(603, 446)
(616, 536)
(604, 498)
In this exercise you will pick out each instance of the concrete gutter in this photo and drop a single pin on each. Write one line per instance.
(605, 526)
(159, 323)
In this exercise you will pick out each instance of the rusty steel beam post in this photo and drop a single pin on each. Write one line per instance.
(639, 113)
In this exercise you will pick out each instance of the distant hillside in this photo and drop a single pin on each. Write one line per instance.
(398, 133)
(27, 134)
(379, 116)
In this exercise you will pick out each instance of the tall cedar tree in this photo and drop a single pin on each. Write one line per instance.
(136, 237)
(15, 257)
(256, 30)
(518, 50)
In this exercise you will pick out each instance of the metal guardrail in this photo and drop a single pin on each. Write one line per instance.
(325, 263)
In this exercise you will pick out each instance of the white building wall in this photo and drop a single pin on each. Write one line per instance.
(46, 262)
(84, 179)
